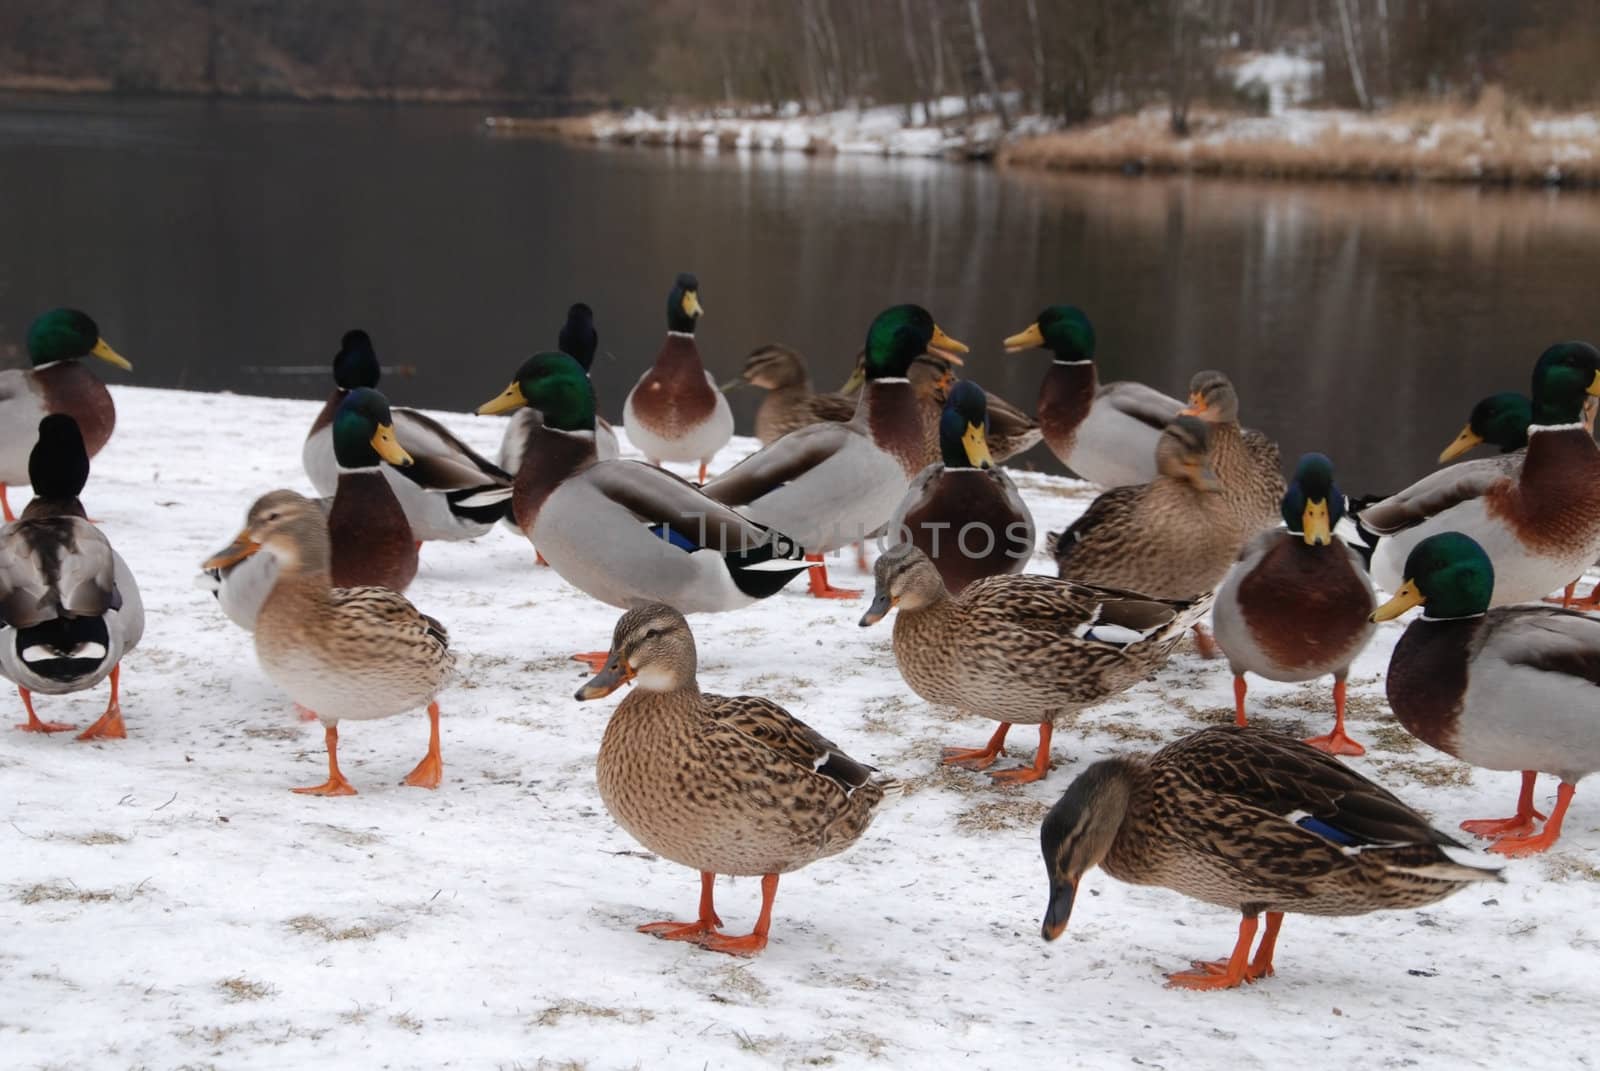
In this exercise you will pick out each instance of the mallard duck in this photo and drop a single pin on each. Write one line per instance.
(449, 491)
(790, 404)
(242, 587)
(1025, 650)
(1296, 604)
(720, 784)
(963, 512)
(1251, 820)
(343, 653)
(56, 383)
(1540, 523)
(1501, 420)
(1508, 688)
(579, 340)
(675, 412)
(1104, 433)
(69, 607)
(831, 484)
(1171, 538)
(622, 531)
(369, 537)
(1011, 431)
(1246, 462)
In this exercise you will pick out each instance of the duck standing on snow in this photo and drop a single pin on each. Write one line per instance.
(56, 383)
(1023, 650)
(675, 412)
(1508, 688)
(1106, 434)
(963, 512)
(829, 485)
(721, 784)
(369, 537)
(1251, 820)
(69, 607)
(342, 653)
(1539, 523)
(449, 491)
(579, 340)
(1297, 603)
(625, 532)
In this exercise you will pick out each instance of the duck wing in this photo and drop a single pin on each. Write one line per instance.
(781, 462)
(787, 736)
(53, 567)
(662, 500)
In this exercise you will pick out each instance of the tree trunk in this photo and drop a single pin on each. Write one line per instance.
(1352, 55)
(1040, 79)
(919, 82)
(1179, 63)
(985, 65)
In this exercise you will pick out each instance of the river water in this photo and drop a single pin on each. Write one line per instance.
(221, 243)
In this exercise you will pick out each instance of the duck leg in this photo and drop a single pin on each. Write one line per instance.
(1224, 974)
(1022, 775)
(1204, 643)
(1239, 689)
(703, 469)
(979, 758)
(335, 785)
(33, 724)
(1534, 843)
(689, 931)
(1519, 824)
(820, 586)
(595, 660)
(861, 557)
(1336, 742)
(5, 507)
(1590, 601)
(431, 768)
(110, 726)
(755, 940)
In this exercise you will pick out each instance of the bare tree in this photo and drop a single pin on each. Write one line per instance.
(1352, 54)
(986, 65)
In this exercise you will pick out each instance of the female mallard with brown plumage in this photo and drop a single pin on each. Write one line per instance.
(675, 412)
(1246, 462)
(1251, 820)
(343, 653)
(1296, 605)
(1171, 538)
(1504, 688)
(721, 784)
(57, 382)
(1023, 650)
(790, 403)
(963, 512)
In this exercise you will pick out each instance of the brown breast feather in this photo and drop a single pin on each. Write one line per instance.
(674, 395)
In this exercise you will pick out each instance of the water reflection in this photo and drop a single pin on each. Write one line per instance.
(211, 237)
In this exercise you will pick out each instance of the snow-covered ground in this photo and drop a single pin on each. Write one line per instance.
(166, 901)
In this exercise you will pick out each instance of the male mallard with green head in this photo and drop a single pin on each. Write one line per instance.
(449, 491)
(1106, 434)
(675, 412)
(720, 784)
(56, 382)
(1500, 420)
(1026, 650)
(579, 340)
(1250, 820)
(831, 484)
(69, 606)
(1296, 604)
(1507, 688)
(964, 512)
(1540, 523)
(371, 540)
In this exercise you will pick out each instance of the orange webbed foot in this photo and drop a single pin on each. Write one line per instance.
(1515, 826)
(1207, 976)
(595, 660)
(1018, 775)
(971, 758)
(1336, 743)
(748, 945)
(331, 787)
(1530, 844)
(428, 774)
(681, 931)
(34, 725)
(109, 727)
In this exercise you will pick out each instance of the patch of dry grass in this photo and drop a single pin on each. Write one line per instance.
(239, 989)
(1432, 774)
(67, 892)
(1009, 812)
(328, 930)
(553, 1014)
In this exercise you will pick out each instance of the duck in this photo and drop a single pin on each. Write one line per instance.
(369, 537)
(242, 587)
(1105, 433)
(831, 484)
(449, 491)
(1251, 820)
(1026, 650)
(1539, 522)
(1499, 687)
(1500, 420)
(720, 784)
(1011, 430)
(625, 532)
(790, 403)
(963, 512)
(579, 340)
(56, 383)
(1246, 462)
(1296, 606)
(675, 412)
(69, 605)
(1171, 538)
(356, 653)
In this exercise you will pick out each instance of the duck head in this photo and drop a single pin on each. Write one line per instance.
(683, 304)
(66, 335)
(1448, 574)
(1500, 420)
(1064, 330)
(964, 428)
(651, 646)
(1312, 505)
(363, 432)
(1078, 832)
(554, 384)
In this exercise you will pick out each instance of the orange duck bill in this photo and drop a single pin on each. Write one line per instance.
(232, 554)
(616, 673)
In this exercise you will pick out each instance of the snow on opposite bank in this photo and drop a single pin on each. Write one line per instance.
(166, 901)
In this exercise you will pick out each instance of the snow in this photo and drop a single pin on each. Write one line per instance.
(166, 901)
(1288, 79)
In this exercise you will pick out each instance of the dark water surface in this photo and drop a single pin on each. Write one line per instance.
(211, 239)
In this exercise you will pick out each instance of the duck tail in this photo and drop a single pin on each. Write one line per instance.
(765, 569)
(1364, 540)
(484, 505)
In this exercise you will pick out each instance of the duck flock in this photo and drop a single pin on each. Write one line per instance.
(1196, 533)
